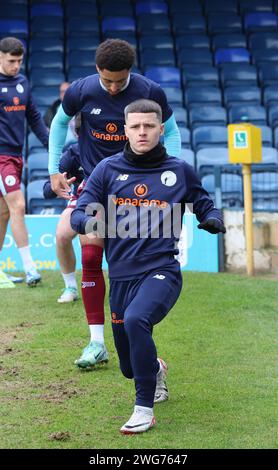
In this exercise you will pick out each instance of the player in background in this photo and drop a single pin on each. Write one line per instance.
(16, 105)
(145, 277)
(101, 99)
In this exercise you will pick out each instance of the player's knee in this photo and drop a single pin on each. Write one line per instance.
(63, 238)
(5, 215)
(18, 210)
(134, 321)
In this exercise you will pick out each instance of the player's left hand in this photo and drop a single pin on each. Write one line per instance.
(212, 226)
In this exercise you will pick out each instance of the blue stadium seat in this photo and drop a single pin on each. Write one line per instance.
(84, 8)
(188, 156)
(119, 23)
(50, 44)
(174, 95)
(228, 40)
(123, 9)
(87, 26)
(275, 132)
(232, 54)
(272, 116)
(254, 5)
(44, 77)
(267, 138)
(207, 115)
(237, 73)
(9, 11)
(37, 204)
(47, 26)
(265, 189)
(260, 21)
(231, 189)
(207, 158)
(260, 56)
(185, 137)
(14, 27)
(37, 166)
(206, 95)
(34, 144)
(82, 58)
(195, 41)
(263, 40)
(163, 41)
(269, 156)
(270, 95)
(180, 6)
(180, 115)
(199, 75)
(188, 23)
(202, 56)
(46, 9)
(151, 7)
(221, 23)
(80, 72)
(44, 59)
(247, 113)
(209, 136)
(165, 76)
(268, 74)
(216, 6)
(150, 56)
(242, 94)
(44, 95)
(153, 25)
(82, 43)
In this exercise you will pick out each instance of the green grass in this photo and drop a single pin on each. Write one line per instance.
(220, 342)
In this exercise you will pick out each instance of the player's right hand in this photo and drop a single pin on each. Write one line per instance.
(60, 186)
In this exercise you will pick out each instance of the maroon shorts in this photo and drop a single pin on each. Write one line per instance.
(10, 174)
(73, 200)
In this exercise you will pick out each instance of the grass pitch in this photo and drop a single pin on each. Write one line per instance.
(220, 342)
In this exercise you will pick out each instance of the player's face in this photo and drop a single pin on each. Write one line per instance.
(10, 64)
(143, 131)
(114, 82)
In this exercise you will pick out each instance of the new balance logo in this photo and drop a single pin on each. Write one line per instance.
(87, 284)
(159, 276)
(122, 178)
(95, 111)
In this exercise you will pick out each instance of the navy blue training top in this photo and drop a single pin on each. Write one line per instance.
(118, 185)
(16, 104)
(69, 163)
(102, 115)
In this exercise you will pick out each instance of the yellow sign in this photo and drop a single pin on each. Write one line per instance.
(245, 143)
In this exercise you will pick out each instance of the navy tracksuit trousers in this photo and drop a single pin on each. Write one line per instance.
(136, 306)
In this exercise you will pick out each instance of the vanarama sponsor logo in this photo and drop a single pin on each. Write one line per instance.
(16, 106)
(120, 201)
(111, 129)
(114, 319)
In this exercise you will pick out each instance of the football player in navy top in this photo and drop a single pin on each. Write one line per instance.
(101, 99)
(132, 200)
(16, 105)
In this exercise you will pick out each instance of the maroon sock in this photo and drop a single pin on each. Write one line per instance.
(93, 285)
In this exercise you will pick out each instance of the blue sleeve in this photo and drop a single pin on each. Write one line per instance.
(72, 98)
(47, 191)
(202, 205)
(36, 122)
(57, 137)
(172, 137)
(92, 193)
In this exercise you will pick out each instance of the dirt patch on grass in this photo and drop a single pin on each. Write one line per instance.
(59, 436)
(59, 392)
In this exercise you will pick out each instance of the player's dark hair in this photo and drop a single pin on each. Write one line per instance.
(115, 55)
(144, 106)
(11, 46)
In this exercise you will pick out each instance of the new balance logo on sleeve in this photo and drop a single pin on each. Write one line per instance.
(95, 111)
(159, 276)
(122, 177)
